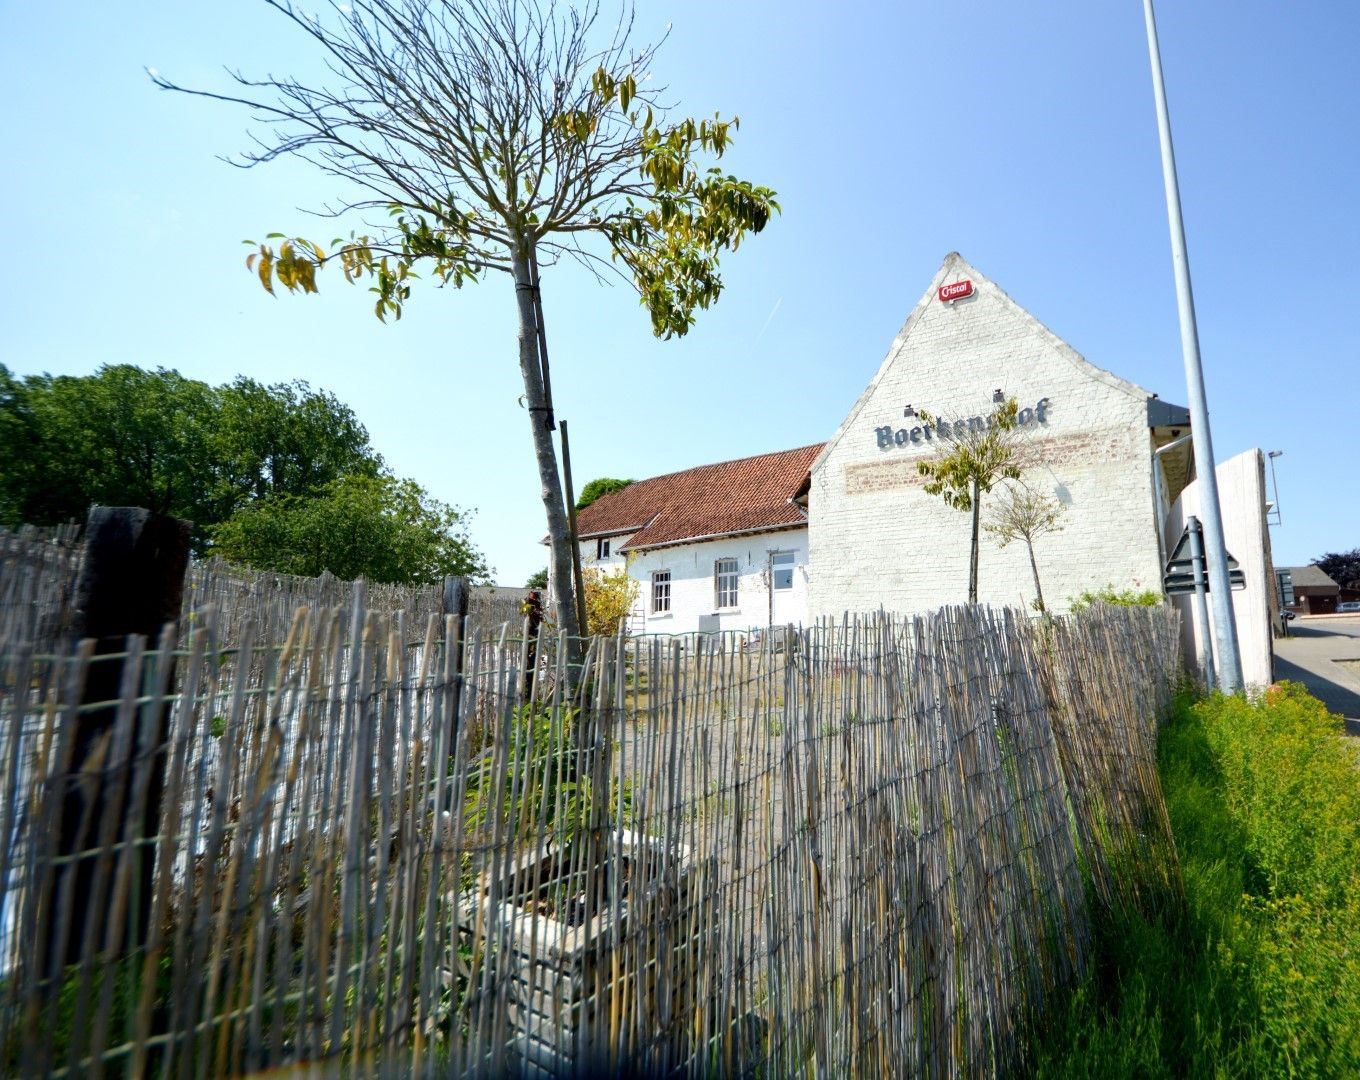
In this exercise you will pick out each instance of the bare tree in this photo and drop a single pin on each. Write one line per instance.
(501, 135)
(980, 452)
(1022, 513)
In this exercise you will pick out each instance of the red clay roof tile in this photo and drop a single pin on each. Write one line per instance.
(747, 495)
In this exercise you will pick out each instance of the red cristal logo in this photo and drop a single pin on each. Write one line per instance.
(957, 291)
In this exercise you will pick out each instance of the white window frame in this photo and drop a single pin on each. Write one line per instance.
(602, 548)
(661, 592)
(792, 565)
(726, 583)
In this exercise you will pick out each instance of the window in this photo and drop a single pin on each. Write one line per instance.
(601, 549)
(661, 591)
(725, 582)
(781, 569)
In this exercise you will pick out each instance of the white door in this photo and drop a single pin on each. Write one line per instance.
(784, 608)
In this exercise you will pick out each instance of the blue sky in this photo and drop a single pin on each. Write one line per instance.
(1020, 134)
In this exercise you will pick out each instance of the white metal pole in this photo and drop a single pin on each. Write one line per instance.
(1225, 627)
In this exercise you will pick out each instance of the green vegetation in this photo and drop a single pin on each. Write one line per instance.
(1120, 598)
(275, 477)
(603, 485)
(973, 460)
(1257, 972)
(357, 526)
(609, 599)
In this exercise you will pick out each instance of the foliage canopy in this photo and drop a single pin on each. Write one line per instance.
(604, 485)
(125, 436)
(609, 598)
(256, 468)
(376, 527)
(1343, 567)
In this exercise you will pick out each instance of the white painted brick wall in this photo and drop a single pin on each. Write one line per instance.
(693, 599)
(876, 538)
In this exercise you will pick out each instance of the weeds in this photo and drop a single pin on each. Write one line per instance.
(1258, 974)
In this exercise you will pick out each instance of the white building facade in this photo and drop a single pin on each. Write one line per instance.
(846, 526)
(732, 583)
(720, 547)
(1088, 439)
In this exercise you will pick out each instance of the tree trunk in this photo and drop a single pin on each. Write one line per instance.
(1034, 566)
(973, 559)
(535, 397)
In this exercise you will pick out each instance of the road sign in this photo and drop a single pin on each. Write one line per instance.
(1179, 576)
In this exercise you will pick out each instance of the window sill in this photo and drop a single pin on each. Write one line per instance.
(660, 615)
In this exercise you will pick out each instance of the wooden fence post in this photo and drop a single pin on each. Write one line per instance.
(132, 582)
(457, 591)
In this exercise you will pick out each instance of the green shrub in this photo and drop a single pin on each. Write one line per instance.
(1109, 595)
(1292, 785)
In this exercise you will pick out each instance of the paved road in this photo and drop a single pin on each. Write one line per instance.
(1308, 656)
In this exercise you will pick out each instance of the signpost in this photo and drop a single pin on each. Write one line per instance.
(1187, 573)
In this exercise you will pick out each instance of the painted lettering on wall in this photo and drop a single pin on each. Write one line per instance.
(889, 437)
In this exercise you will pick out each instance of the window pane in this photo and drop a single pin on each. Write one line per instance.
(725, 583)
(783, 579)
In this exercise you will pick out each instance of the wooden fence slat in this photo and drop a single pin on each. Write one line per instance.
(852, 848)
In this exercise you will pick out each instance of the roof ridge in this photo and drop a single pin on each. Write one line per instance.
(726, 461)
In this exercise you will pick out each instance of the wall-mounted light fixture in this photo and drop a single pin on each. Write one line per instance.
(909, 411)
(998, 397)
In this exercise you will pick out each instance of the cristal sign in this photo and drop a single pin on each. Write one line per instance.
(956, 291)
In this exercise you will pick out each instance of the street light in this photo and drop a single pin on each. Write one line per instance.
(1216, 552)
(1275, 487)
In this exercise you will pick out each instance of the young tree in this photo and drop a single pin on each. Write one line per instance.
(538, 579)
(1022, 513)
(979, 456)
(496, 135)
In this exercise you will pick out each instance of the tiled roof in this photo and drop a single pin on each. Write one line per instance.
(748, 495)
(1310, 577)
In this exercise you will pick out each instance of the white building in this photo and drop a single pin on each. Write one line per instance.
(847, 526)
(718, 547)
(1088, 440)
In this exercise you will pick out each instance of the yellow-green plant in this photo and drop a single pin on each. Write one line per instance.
(978, 457)
(609, 598)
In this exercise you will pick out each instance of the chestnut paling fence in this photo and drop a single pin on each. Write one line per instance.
(39, 570)
(852, 849)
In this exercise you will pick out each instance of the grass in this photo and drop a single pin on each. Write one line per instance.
(1257, 972)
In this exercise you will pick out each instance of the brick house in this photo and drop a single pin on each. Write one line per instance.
(1315, 593)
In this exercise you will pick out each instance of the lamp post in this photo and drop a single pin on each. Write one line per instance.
(1275, 487)
(1225, 627)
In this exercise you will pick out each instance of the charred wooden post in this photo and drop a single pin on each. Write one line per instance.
(110, 784)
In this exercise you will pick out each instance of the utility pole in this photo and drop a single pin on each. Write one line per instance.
(1225, 627)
